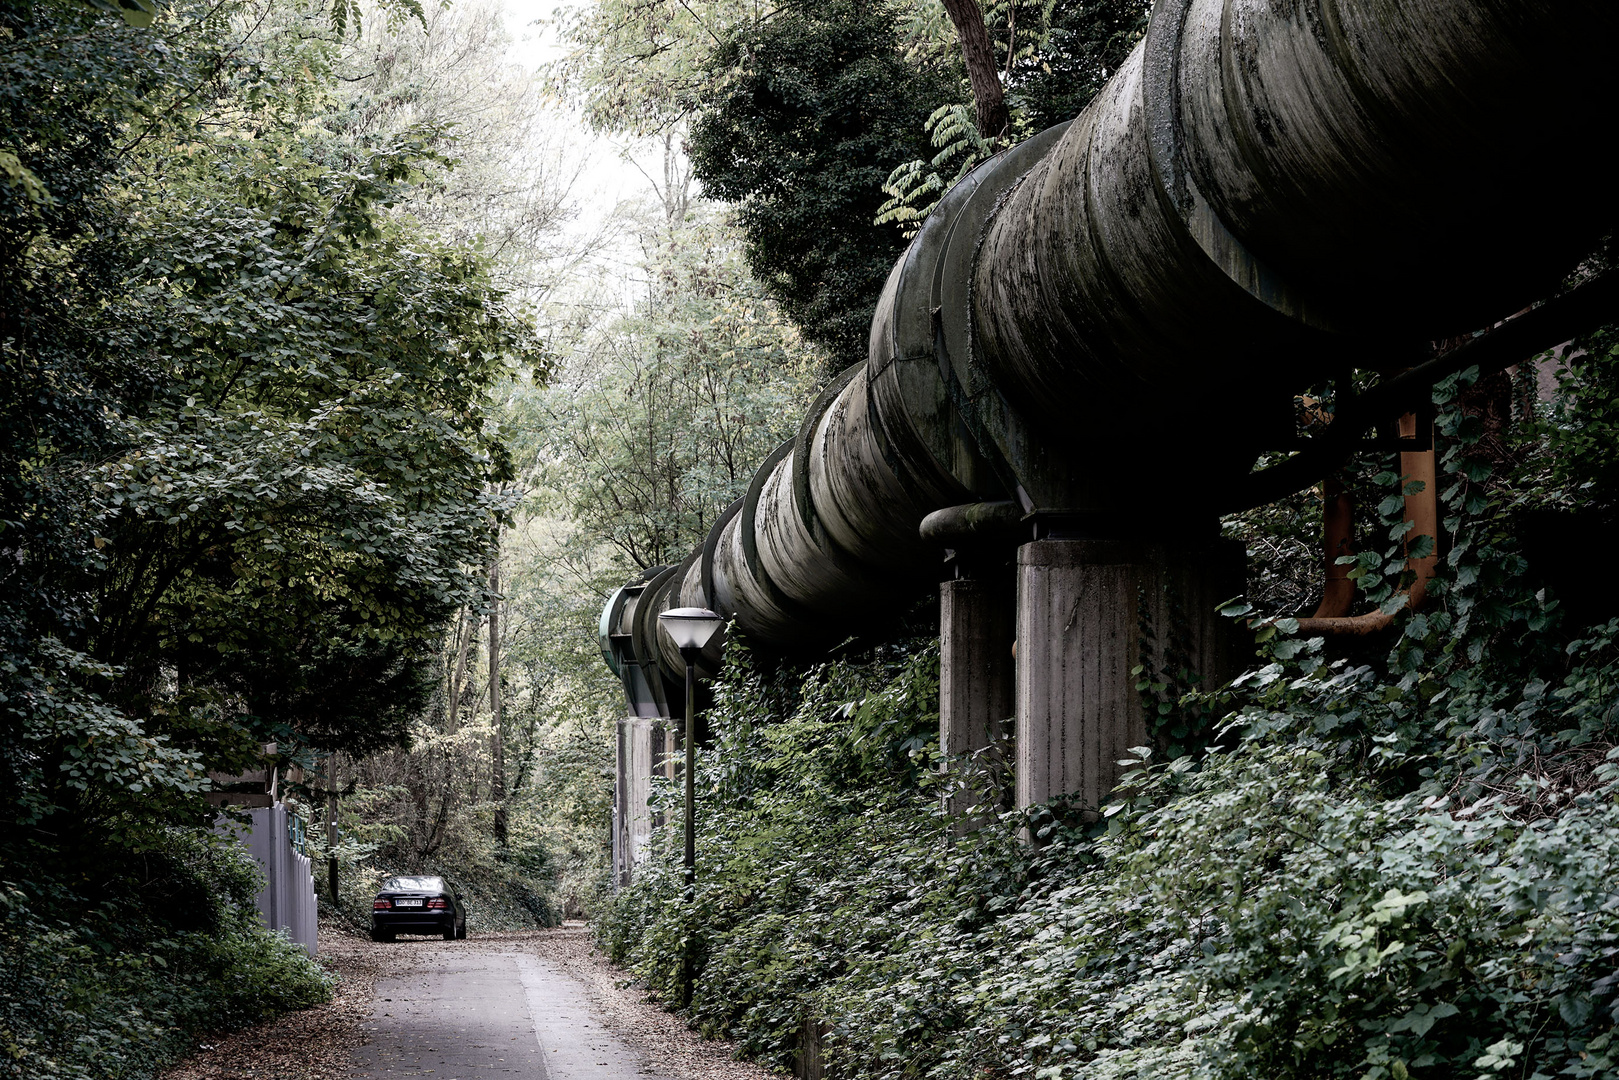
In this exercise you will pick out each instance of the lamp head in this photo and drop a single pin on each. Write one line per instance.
(690, 628)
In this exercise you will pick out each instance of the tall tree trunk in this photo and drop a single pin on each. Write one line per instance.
(331, 825)
(497, 742)
(418, 770)
(989, 101)
(452, 709)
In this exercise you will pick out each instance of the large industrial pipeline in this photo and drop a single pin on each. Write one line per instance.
(1103, 327)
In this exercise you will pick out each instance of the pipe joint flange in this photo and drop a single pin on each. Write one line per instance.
(710, 547)
(1178, 190)
(644, 635)
(803, 447)
(754, 565)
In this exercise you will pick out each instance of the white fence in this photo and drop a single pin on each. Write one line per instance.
(288, 899)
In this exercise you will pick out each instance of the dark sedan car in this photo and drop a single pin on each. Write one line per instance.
(417, 905)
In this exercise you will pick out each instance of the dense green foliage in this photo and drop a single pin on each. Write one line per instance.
(123, 988)
(247, 475)
(819, 109)
(274, 464)
(1075, 52)
(1394, 865)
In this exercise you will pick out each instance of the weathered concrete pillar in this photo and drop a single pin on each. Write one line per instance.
(633, 819)
(977, 612)
(975, 661)
(666, 748)
(1088, 612)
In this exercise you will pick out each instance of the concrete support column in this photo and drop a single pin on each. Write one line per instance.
(669, 744)
(1088, 612)
(975, 661)
(632, 825)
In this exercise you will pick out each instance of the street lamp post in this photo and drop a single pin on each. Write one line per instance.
(690, 629)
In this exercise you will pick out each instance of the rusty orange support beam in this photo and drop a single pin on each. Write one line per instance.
(1337, 539)
(1421, 510)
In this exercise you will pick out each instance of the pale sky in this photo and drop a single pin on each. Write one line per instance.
(607, 179)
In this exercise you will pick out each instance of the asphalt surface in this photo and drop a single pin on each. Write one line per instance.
(470, 1014)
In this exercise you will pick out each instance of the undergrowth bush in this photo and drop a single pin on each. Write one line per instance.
(116, 989)
(1385, 866)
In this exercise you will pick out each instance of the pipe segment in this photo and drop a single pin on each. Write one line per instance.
(789, 554)
(842, 563)
(869, 509)
(1267, 192)
(1427, 129)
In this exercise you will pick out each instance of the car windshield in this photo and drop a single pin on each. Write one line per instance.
(413, 884)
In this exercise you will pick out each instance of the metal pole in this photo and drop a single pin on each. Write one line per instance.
(687, 972)
(691, 776)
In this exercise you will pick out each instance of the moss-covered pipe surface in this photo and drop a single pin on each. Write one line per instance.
(1112, 318)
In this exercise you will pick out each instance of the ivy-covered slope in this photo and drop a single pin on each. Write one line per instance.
(1397, 862)
(125, 988)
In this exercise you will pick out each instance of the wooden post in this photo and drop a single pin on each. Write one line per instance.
(807, 1062)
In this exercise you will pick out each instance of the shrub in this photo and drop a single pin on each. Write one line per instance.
(117, 989)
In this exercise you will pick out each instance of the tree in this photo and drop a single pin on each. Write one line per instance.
(1053, 67)
(248, 465)
(820, 107)
(807, 116)
(662, 415)
(75, 88)
(642, 67)
(504, 183)
(1069, 57)
(247, 473)
(978, 54)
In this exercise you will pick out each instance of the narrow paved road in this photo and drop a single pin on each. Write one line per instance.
(487, 1015)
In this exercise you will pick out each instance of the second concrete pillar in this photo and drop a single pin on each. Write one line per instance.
(975, 662)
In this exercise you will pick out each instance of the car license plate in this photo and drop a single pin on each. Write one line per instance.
(408, 903)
